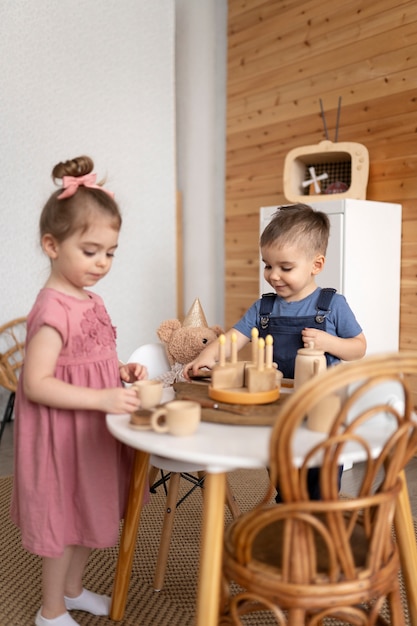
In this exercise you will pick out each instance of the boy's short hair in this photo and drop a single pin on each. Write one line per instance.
(298, 224)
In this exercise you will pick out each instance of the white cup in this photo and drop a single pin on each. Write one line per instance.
(149, 392)
(180, 418)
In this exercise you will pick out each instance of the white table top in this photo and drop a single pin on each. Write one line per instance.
(221, 447)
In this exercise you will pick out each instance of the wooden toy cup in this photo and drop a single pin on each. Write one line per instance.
(149, 393)
(179, 417)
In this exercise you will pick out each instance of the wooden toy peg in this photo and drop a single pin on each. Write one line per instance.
(254, 335)
(261, 355)
(222, 350)
(269, 351)
(234, 348)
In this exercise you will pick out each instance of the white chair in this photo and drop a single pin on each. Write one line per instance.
(153, 355)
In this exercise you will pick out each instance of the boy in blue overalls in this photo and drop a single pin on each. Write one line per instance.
(293, 248)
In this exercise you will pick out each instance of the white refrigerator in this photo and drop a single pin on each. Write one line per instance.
(363, 262)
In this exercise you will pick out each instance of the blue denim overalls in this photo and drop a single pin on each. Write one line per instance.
(286, 332)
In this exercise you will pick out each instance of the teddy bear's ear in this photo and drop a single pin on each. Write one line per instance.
(218, 330)
(166, 328)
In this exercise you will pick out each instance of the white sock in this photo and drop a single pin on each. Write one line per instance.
(61, 620)
(89, 601)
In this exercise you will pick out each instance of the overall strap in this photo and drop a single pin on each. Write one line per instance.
(267, 304)
(323, 303)
(323, 306)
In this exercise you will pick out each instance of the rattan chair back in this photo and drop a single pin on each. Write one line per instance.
(12, 343)
(307, 560)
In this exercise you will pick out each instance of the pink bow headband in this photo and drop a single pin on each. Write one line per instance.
(70, 185)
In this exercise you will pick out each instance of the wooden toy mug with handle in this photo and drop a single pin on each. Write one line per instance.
(179, 417)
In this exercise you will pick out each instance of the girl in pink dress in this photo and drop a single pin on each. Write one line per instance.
(71, 476)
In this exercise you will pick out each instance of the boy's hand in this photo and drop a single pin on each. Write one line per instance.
(317, 337)
(345, 349)
(198, 363)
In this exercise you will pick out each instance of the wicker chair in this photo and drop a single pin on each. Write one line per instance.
(12, 341)
(306, 560)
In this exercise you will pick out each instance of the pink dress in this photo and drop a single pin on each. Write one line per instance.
(71, 475)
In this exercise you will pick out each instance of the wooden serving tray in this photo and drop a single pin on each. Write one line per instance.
(239, 414)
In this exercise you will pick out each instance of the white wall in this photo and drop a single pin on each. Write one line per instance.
(201, 53)
(93, 77)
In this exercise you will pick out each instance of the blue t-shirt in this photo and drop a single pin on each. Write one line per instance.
(340, 321)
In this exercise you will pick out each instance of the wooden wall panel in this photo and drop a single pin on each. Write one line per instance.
(283, 57)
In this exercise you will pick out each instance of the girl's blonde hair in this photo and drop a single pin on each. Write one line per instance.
(62, 217)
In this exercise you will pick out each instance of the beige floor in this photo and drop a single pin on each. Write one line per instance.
(6, 451)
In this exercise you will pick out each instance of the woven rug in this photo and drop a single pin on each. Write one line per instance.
(20, 572)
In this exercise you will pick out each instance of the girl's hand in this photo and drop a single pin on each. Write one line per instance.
(118, 400)
(129, 372)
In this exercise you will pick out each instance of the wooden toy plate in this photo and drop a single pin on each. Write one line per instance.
(140, 419)
(226, 413)
(242, 396)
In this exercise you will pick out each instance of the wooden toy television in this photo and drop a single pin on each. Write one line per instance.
(327, 170)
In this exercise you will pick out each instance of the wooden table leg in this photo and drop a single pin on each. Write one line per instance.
(129, 533)
(208, 597)
(404, 531)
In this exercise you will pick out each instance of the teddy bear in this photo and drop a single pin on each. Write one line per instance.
(184, 341)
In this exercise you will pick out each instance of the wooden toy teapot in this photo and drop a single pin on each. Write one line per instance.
(308, 362)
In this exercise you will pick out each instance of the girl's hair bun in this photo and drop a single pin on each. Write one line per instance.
(74, 167)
